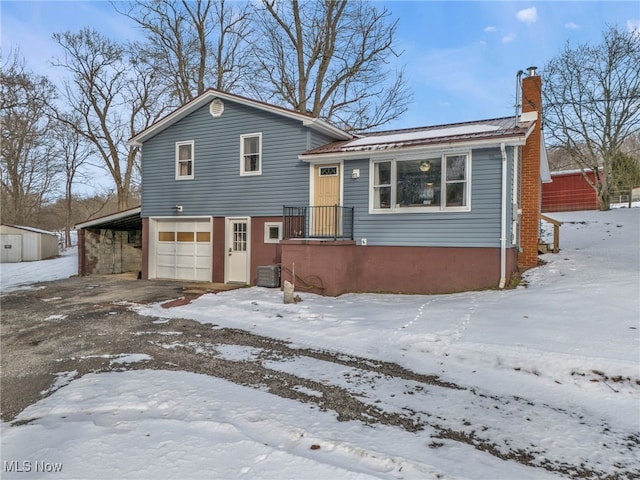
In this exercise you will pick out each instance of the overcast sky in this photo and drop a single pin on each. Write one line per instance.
(461, 58)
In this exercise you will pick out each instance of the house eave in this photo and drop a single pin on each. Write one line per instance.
(188, 108)
(324, 127)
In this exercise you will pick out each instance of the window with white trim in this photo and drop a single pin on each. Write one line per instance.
(272, 232)
(251, 154)
(184, 160)
(421, 185)
(381, 185)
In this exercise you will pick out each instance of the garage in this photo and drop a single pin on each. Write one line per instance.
(181, 249)
(26, 244)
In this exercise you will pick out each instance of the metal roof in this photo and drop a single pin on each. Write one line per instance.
(497, 130)
(31, 229)
(125, 220)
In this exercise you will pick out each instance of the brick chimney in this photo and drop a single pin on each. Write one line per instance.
(530, 170)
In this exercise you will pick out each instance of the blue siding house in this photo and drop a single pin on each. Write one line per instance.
(230, 184)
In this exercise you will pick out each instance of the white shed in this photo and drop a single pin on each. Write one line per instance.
(26, 244)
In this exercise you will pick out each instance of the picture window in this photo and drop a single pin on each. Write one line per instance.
(424, 184)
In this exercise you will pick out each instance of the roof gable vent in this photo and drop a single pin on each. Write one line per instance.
(216, 108)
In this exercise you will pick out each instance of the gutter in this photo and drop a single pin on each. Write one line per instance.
(503, 221)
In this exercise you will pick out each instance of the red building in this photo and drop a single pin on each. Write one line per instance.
(568, 191)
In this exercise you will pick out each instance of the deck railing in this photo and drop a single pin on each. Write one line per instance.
(327, 222)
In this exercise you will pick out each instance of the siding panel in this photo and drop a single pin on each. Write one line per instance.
(478, 228)
(218, 189)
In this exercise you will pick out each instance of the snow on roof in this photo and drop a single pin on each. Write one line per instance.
(497, 129)
(424, 134)
(32, 229)
(572, 171)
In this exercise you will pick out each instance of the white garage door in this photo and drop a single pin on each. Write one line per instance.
(183, 249)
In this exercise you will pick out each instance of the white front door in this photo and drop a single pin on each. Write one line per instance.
(238, 250)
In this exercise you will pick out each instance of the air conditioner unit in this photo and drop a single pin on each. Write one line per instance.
(269, 276)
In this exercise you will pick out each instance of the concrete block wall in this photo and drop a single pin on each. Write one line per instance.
(111, 251)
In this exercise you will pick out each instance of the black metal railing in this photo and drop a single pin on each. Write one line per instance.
(333, 222)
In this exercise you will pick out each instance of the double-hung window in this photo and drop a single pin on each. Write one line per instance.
(425, 184)
(382, 185)
(184, 160)
(251, 154)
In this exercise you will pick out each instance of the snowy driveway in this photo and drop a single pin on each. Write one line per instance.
(530, 383)
(100, 331)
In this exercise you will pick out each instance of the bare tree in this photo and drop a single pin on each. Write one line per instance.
(112, 96)
(28, 164)
(54, 214)
(193, 45)
(330, 58)
(560, 159)
(74, 151)
(592, 95)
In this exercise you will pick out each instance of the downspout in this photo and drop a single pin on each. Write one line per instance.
(503, 221)
(515, 213)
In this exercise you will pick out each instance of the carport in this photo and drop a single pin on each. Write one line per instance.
(110, 244)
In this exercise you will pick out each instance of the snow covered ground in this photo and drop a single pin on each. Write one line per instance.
(17, 276)
(551, 369)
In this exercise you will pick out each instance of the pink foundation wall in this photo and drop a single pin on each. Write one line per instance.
(334, 268)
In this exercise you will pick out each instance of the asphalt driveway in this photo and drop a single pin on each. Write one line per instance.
(76, 324)
(79, 325)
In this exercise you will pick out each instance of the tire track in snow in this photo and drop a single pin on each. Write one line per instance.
(495, 424)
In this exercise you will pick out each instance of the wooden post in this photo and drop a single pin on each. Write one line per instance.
(556, 232)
